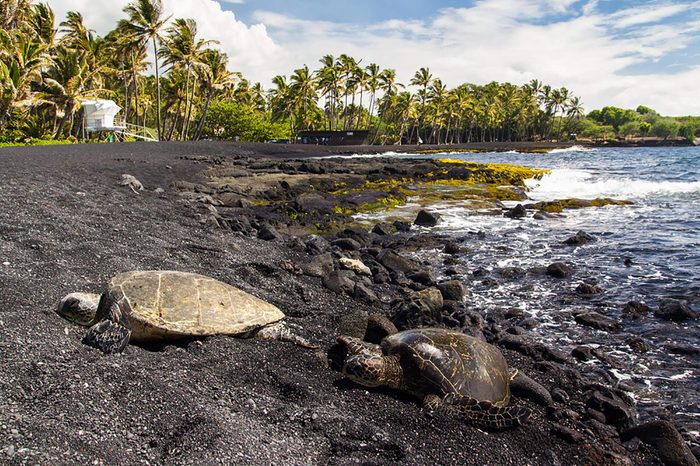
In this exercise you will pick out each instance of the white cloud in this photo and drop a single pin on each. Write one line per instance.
(561, 42)
(249, 48)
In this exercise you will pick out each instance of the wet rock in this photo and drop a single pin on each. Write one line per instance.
(452, 248)
(597, 321)
(402, 226)
(537, 351)
(677, 311)
(635, 310)
(318, 266)
(427, 219)
(346, 244)
(560, 270)
(579, 238)
(666, 441)
(395, 262)
(511, 273)
(316, 244)
(355, 265)
(587, 289)
(519, 211)
(268, 233)
(523, 386)
(617, 412)
(382, 229)
(424, 277)
(583, 353)
(683, 349)
(559, 395)
(638, 344)
(399, 278)
(362, 236)
(453, 290)
(339, 281)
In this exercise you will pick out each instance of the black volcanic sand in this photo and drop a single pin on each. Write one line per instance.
(66, 225)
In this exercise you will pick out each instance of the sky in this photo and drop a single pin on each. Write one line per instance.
(622, 53)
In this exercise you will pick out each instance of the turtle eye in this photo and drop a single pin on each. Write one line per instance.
(363, 370)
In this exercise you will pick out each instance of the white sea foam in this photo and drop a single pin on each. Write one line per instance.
(572, 183)
(573, 149)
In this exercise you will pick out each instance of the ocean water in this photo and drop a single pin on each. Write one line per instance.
(646, 252)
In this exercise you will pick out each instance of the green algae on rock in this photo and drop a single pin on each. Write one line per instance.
(574, 203)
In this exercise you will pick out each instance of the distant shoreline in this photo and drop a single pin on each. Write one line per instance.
(252, 149)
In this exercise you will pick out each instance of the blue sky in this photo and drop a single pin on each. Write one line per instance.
(623, 53)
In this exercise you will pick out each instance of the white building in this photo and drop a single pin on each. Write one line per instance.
(99, 115)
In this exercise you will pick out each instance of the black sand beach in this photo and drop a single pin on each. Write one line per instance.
(67, 225)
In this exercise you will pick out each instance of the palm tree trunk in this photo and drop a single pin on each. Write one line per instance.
(155, 53)
(136, 89)
(200, 127)
(189, 112)
(187, 101)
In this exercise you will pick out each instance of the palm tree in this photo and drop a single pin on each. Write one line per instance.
(282, 101)
(373, 83)
(18, 69)
(303, 90)
(145, 21)
(182, 49)
(329, 82)
(215, 77)
(422, 78)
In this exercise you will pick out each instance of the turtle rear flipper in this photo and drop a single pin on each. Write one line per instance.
(477, 413)
(108, 336)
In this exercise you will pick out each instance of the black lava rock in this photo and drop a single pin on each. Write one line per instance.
(635, 310)
(597, 321)
(453, 290)
(559, 270)
(587, 289)
(424, 277)
(579, 238)
(395, 262)
(677, 311)
(665, 440)
(519, 211)
(427, 219)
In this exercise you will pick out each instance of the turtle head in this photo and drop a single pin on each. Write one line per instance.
(79, 308)
(366, 369)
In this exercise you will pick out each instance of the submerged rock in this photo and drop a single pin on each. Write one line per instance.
(677, 311)
(518, 211)
(635, 310)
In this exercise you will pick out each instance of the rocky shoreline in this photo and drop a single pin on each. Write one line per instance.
(279, 225)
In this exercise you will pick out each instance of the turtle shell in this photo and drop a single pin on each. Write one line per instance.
(439, 361)
(162, 305)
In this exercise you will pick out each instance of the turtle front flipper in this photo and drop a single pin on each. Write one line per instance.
(112, 332)
(107, 336)
(481, 414)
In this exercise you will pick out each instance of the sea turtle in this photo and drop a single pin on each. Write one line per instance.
(449, 371)
(161, 305)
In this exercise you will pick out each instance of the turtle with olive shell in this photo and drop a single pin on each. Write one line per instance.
(449, 371)
(160, 306)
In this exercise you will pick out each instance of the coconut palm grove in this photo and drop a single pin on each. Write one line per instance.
(175, 85)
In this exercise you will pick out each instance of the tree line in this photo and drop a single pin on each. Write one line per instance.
(46, 71)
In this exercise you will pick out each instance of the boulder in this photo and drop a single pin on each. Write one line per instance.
(579, 238)
(316, 244)
(597, 321)
(268, 233)
(635, 310)
(313, 202)
(523, 386)
(364, 294)
(395, 262)
(452, 248)
(559, 270)
(421, 309)
(519, 211)
(339, 281)
(453, 290)
(617, 412)
(677, 311)
(638, 344)
(382, 229)
(424, 277)
(318, 266)
(587, 289)
(402, 226)
(666, 441)
(427, 219)
(346, 244)
(355, 265)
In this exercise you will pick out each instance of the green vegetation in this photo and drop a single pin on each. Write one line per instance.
(45, 74)
(614, 122)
